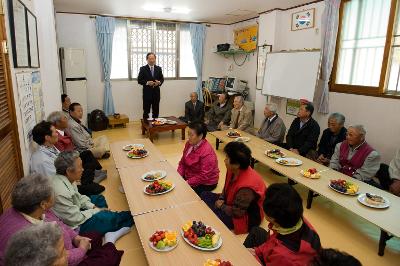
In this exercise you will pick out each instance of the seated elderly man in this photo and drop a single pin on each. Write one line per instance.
(32, 200)
(334, 134)
(219, 114)
(37, 245)
(90, 164)
(194, 109)
(77, 210)
(241, 117)
(389, 175)
(303, 133)
(82, 138)
(272, 128)
(355, 157)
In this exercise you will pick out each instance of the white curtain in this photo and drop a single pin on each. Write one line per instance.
(330, 23)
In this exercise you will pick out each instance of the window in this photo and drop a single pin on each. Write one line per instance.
(364, 48)
(393, 86)
(170, 42)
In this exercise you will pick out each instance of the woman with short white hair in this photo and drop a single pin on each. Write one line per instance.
(77, 210)
(37, 245)
(32, 200)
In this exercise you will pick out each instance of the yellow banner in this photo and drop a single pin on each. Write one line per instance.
(246, 38)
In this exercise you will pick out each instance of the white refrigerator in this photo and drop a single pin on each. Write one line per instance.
(73, 69)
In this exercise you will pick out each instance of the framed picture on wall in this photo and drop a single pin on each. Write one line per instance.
(19, 36)
(292, 106)
(303, 19)
(33, 40)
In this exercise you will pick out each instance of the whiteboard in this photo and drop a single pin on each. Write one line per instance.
(291, 75)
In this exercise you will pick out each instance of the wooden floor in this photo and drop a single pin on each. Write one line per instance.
(337, 228)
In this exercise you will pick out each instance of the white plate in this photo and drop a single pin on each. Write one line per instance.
(313, 176)
(161, 119)
(219, 244)
(163, 175)
(242, 139)
(267, 153)
(145, 192)
(345, 193)
(167, 249)
(171, 122)
(131, 146)
(292, 161)
(138, 157)
(362, 199)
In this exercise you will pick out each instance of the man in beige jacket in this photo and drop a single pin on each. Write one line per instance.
(272, 129)
(82, 138)
(241, 116)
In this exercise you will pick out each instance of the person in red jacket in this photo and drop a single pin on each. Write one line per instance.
(239, 205)
(293, 241)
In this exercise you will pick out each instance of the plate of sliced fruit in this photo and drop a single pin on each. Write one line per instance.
(344, 187)
(163, 240)
(200, 236)
(311, 173)
(373, 201)
(154, 175)
(275, 154)
(217, 262)
(158, 188)
(289, 161)
(137, 153)
(133, 146)
(233, 134)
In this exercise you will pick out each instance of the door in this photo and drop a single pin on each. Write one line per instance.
(10, 157)
(77, 91)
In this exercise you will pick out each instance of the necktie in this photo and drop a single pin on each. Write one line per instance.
(236, 125)
(152, 71)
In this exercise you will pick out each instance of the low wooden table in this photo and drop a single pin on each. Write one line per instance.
(148, 127)
(122, 120)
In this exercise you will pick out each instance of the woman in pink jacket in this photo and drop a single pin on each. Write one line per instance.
(199, 164)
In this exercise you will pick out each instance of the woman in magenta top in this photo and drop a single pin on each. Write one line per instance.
(199, 164)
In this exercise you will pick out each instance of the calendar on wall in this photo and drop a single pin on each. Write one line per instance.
(26, 104)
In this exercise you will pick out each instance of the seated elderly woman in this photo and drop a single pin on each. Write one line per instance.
(199, 164)
(32, 199)
(239, 206)
(334, 134)
(293, 240)
(38, 245)
(355, 157)
(77, 210)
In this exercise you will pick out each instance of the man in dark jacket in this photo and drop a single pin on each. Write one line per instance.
(151, 78)
(194, 109)
(219, 114)
(334, 134)
(304, 131)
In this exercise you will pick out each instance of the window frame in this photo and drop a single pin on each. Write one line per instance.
(178, 48)
(380, 90)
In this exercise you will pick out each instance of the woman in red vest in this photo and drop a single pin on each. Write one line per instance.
(293, 241)
(239, 205)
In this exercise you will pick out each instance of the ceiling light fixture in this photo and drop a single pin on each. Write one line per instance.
(159, 8)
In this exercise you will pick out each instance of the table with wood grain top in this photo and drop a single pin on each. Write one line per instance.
(183, 254)
(122, 160)
(386, 219)
(140, 203)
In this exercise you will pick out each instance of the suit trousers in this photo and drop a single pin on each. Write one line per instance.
(151, 101)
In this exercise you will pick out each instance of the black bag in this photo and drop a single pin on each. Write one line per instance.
(97, 120)
(223, 47)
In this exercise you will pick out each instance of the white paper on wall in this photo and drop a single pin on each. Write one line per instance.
(26, 104)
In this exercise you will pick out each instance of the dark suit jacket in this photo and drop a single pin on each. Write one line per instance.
(303, 139)
(327, 144)
(194, 115)
(145, 75)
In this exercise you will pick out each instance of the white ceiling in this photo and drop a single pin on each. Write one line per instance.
(213, 11)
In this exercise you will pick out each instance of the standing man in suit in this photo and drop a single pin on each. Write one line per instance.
(303, 133)
(151, 78)
(194, 109)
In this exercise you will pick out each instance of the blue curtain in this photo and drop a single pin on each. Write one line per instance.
(105, 27)
(198, 35)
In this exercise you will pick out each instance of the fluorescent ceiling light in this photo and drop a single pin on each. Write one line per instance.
(160, 8)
